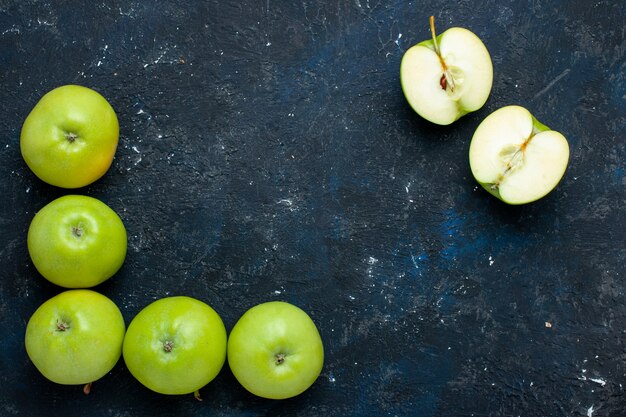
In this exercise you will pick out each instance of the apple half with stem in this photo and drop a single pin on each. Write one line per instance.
(448, 76)
(515, 157)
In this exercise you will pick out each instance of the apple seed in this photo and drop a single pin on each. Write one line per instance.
(443, 83)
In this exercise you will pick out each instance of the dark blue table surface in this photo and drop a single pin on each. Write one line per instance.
(267, 153)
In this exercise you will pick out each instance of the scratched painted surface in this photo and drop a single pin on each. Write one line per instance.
(267, 153)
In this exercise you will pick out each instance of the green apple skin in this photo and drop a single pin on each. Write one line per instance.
(75, 337)
(470, 65)
(176, 345)
(77, 241)
(275, 350)
(544, 141)
(70, 137)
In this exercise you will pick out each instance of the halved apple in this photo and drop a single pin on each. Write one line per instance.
(447, 76)
(516, 158)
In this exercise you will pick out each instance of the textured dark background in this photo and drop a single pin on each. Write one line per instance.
(267, 153)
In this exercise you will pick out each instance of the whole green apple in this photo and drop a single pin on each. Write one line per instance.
(75, 337)
(77, 241)
(275, 350)
(448, 76)
(175, 345)
(70, 137)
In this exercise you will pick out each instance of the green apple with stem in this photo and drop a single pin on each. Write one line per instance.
(515, 157)
(75, 337)
(175, 345)
(448, 76)
(70, 137)
(77, 241)
(275, 350)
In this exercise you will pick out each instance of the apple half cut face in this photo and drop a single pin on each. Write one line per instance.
(516, 158)
(447, 76)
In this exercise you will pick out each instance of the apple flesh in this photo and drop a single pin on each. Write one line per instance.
(70, 137)
(75, 337)
(516, 158)
(448, 76)
(176, 345)
(275, 350)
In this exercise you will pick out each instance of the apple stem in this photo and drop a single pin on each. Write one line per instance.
(446, 79)
(87, 388)
(432, 31)
(196, 395)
